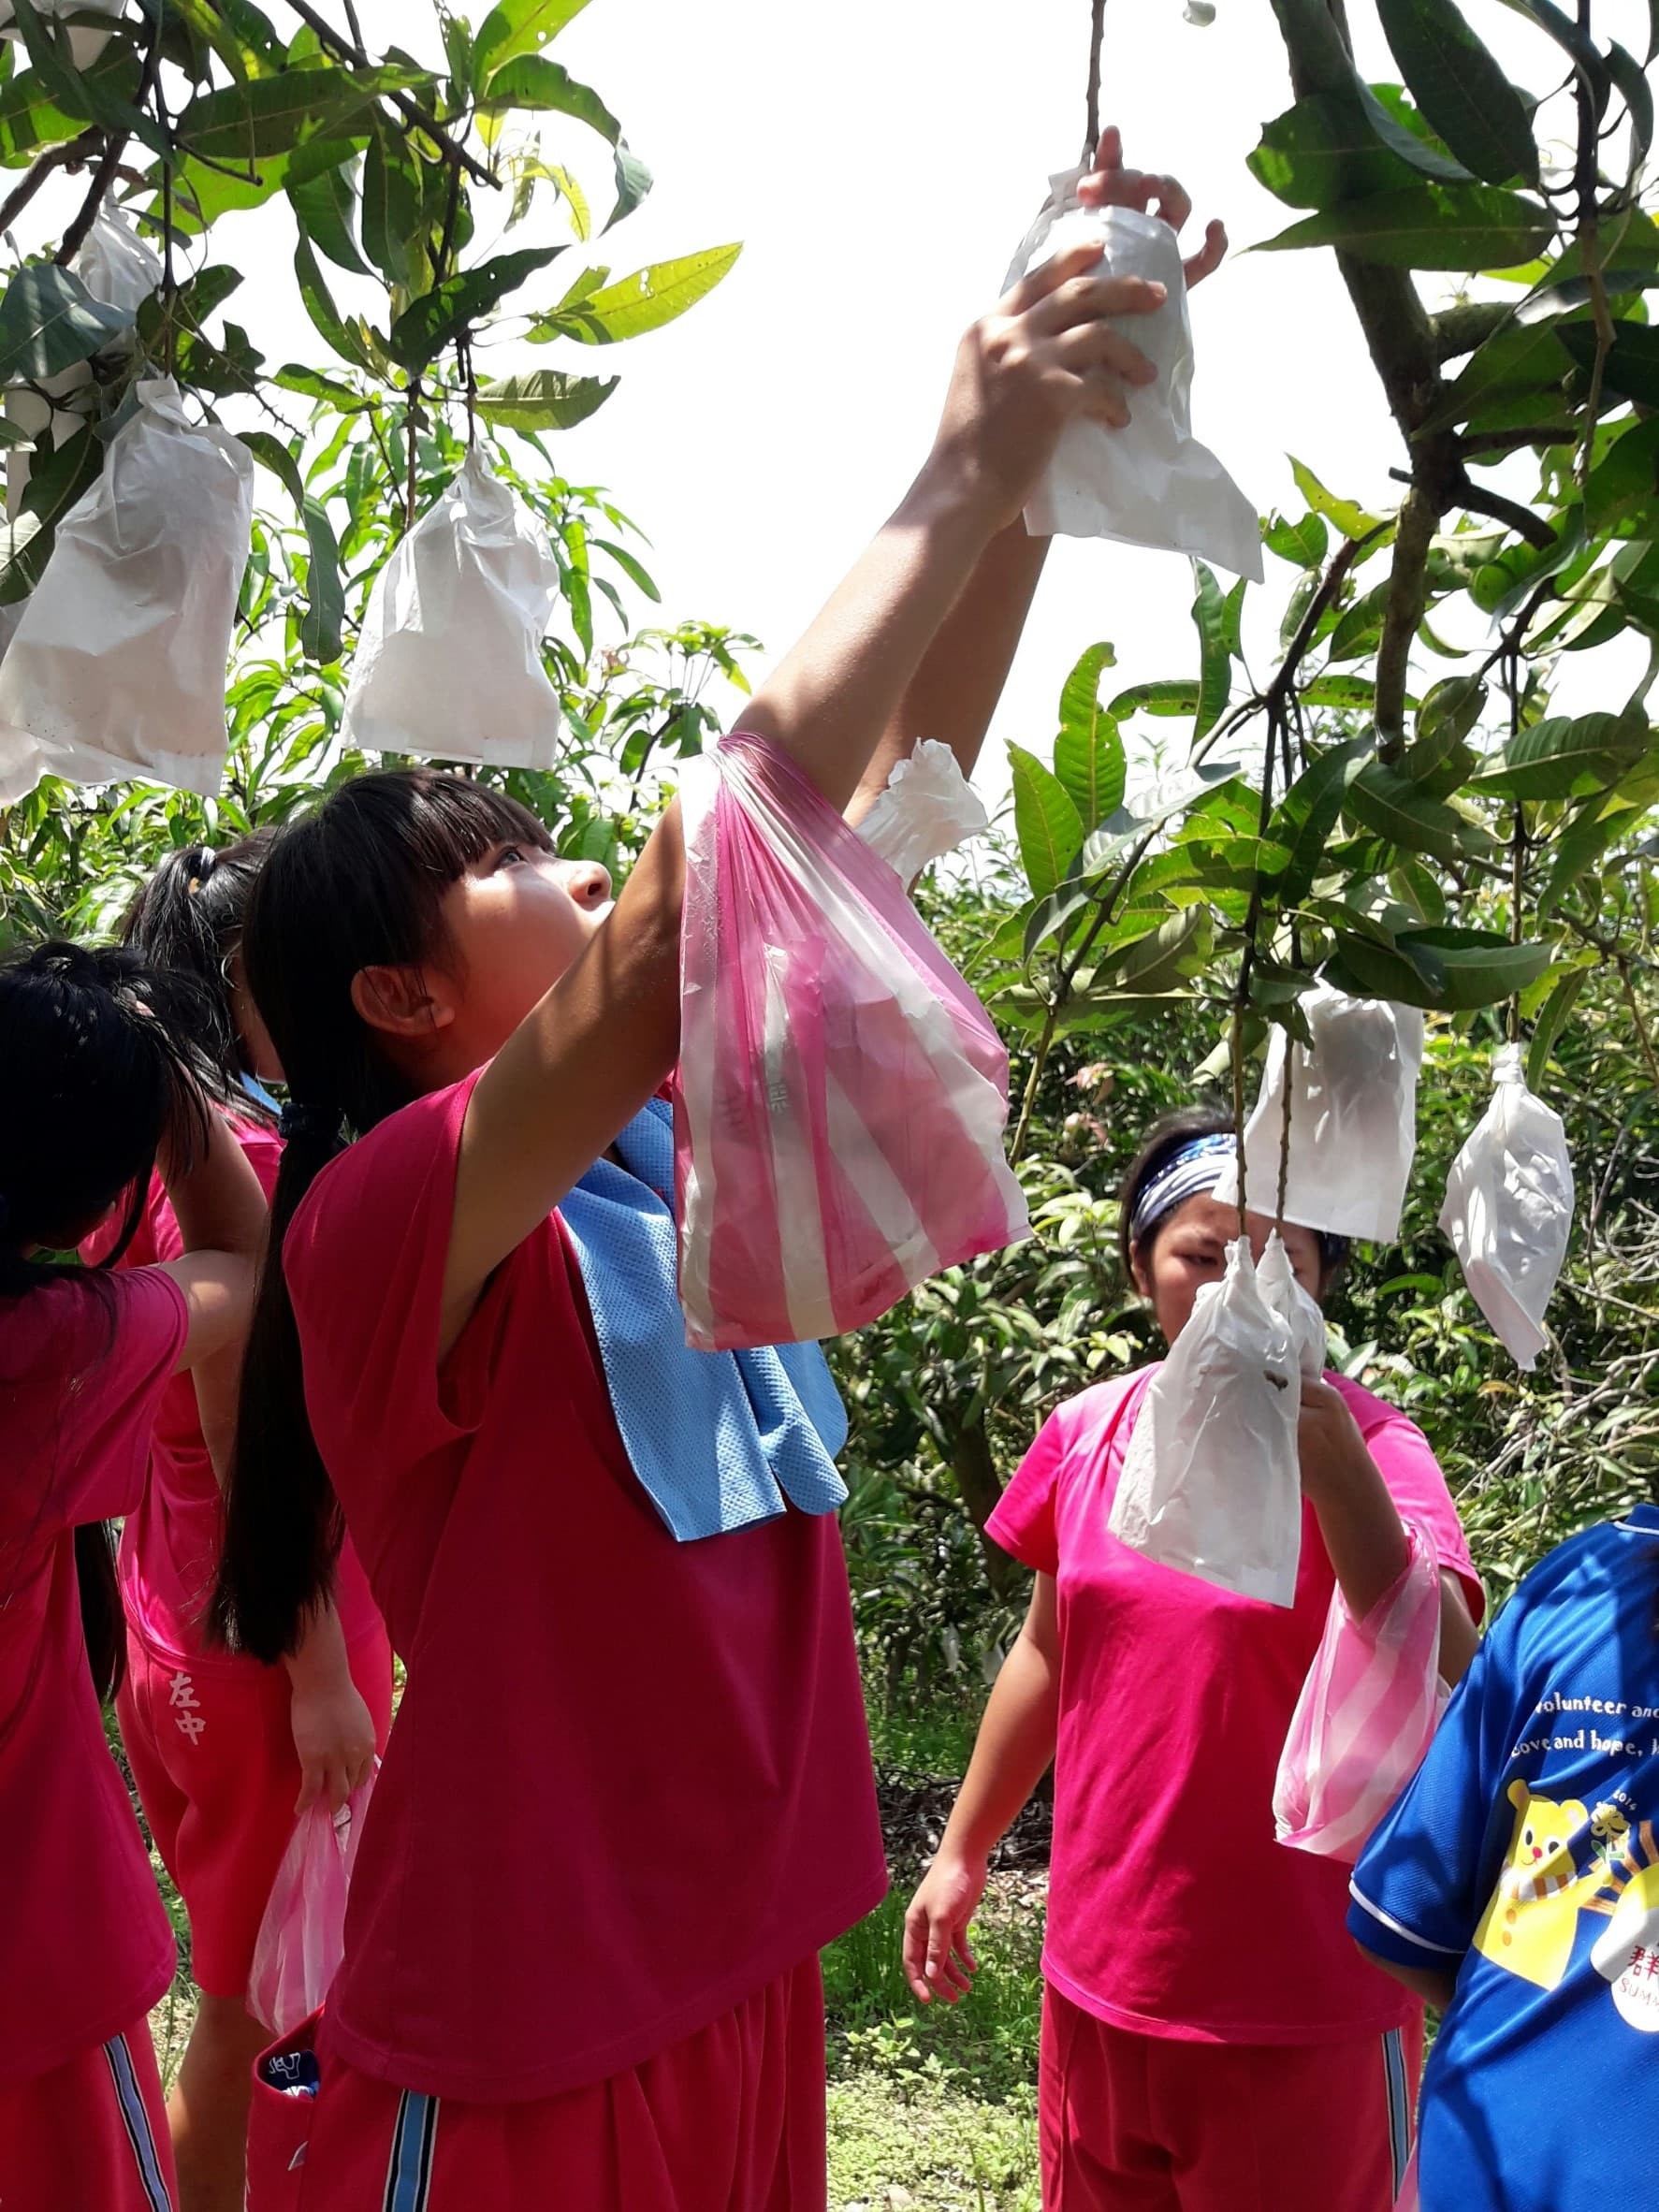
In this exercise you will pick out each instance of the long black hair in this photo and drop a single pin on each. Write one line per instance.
(189, 917)
(97, 1069)
(360, 883)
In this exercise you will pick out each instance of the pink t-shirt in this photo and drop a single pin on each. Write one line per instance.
(85, 1945)
(630, 1781)
(170, 1548)
(1172, 1910)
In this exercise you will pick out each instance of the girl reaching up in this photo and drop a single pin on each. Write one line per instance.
(224, 1749)
(97, 1090)
(628, 1796)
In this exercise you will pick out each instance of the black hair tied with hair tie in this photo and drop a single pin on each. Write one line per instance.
(203, 867)
(298, 1119)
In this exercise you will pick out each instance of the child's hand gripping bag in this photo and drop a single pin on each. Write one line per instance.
(1367, 1709)
(117, 666)
(841, 1094)
(302, 1936)
(1508, 1209)
(926, 808)
(1212, 1481)
(1150, 483)
(449, 662)
(1353, 1118)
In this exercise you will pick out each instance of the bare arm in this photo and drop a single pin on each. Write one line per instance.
(221, 1213)
(1434, 1988)
(1014, 1749)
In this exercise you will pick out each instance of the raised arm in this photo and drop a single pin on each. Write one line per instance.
(221, 1213)
(587, 1057)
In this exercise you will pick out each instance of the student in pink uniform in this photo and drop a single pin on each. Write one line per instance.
(1211, 2040)
(95, 1091)
(225, 1751)
(628, 1796)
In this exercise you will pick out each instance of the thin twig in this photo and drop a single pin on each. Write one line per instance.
(1284, 1133)
(114, 147)
(74, 155)
(1096, 39)
(410, 110)
(1586, 177)
(1642, 1038)
(1518, 838)
(412, 438)
(1479, 499)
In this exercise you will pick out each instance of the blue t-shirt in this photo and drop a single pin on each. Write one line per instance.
(1524, 1859)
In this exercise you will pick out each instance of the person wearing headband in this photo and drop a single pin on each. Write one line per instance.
(1212, 2039)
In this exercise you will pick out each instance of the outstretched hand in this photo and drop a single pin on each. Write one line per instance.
(1109, 184)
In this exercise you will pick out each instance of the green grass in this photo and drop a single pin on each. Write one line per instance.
(929, 2145)
(936, 1740)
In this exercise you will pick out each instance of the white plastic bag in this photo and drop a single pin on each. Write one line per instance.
(1211, 1482)
(1152, 482)
(118, 266)
(117, 664)
(302, 1936)
(1508, 1209)
(1366, 1714)
(1295, 1307)
(86, 41)
(928, 808)
(1353, 1118)
(449, 658)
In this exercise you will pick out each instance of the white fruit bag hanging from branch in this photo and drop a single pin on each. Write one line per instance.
(1508, 1209)
(117, 266)
(1353, 1116)
(1299, 1311)
(449, 662)
(926, 808)
(1212, 1483)
(1150, 483)
(117, 664)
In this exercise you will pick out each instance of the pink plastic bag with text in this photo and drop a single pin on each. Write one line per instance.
(302, 1935)
(841, 1095)
(1367, 1711)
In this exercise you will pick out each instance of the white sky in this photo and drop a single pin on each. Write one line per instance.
(880, 160)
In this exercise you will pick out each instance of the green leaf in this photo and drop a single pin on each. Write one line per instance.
(1351, 520)
(1566, 34)
(1046, 823)
(270, 451)
(1626, 477)
(33, 116)
(1308, 812)
(1301, 542)
(1449, 227)
(1479, 968)
(49, 321)
(634, 181)
(1214, 662)
(393, 207)
(295, 377)
(1324, 151)
(319, 305)
(273, 115)
(1052, 915)
(1632, 367)
(326, 205)
(1159, 961)
(534, 82)
(320, 629)
(515, 27)
(1586, 840)
(429, 323)
(1460, 88)
(1352, 693)
(1637, 95)
(1404, 132)
(1088, 751)
(645, 301)
(545, 401)
(1389, 803)
(1361, 625)
(1170, 696)
(636, 574)
(1513, 362)
(1551, 1021)
(1563, 756)
(56, 481)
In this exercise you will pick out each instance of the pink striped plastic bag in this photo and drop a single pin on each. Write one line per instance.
(841, 1094)
(1366, 1712)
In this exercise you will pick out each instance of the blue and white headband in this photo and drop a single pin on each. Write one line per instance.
(1191, 1169)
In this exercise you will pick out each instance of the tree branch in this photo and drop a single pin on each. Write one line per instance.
(114, 147)
(410, 109)
(71, 155)
(1500, 442)
(1480, 500)
(1408, 600)
(1459, 329)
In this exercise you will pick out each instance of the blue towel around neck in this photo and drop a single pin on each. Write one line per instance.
(718, 1439)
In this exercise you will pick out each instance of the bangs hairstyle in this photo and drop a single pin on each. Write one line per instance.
(97, 1070)
(189, 917)
(360, 883)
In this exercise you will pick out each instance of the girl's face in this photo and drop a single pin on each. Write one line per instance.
(517, 921)
(1188, 1249)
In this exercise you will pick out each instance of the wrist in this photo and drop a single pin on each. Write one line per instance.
(952, 492)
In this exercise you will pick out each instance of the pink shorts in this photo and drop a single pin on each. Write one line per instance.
(1143, 2123)
(211, 1751)
(731, 2119)
(92, 2133)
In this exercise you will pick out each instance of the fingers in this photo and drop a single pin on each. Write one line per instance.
(1108, 152)
(1173, 201)
(1096, 345)
(915, 1955)
(1037, 284)
(312, 1775)
(1095, 299)
(1209, 257)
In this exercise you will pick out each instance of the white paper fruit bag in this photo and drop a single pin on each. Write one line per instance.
(1508, 1209)
(449, 662)
(1353, 1118)
(1151, 484)
(1299, 1312)
(117, 667)
(1212, 1482)
(927, 809)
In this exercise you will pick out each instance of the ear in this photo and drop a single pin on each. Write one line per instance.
(1141, 1274)
(1518, 1796)
(401, 1001)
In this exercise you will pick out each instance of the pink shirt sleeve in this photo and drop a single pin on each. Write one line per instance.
(364, 1259)
(1406, 1462)
(1024, 1520)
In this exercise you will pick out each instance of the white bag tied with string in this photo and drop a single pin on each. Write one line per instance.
(1299, 1312)
(1353, 1116)
(925, 810)
(449, 662)
(1508, 1209)
(1212, 1482)
(117, 666)
(1150, 483)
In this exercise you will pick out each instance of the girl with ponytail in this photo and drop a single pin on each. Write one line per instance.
(99, 1089)
(225, 1750)
(628, 1795)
